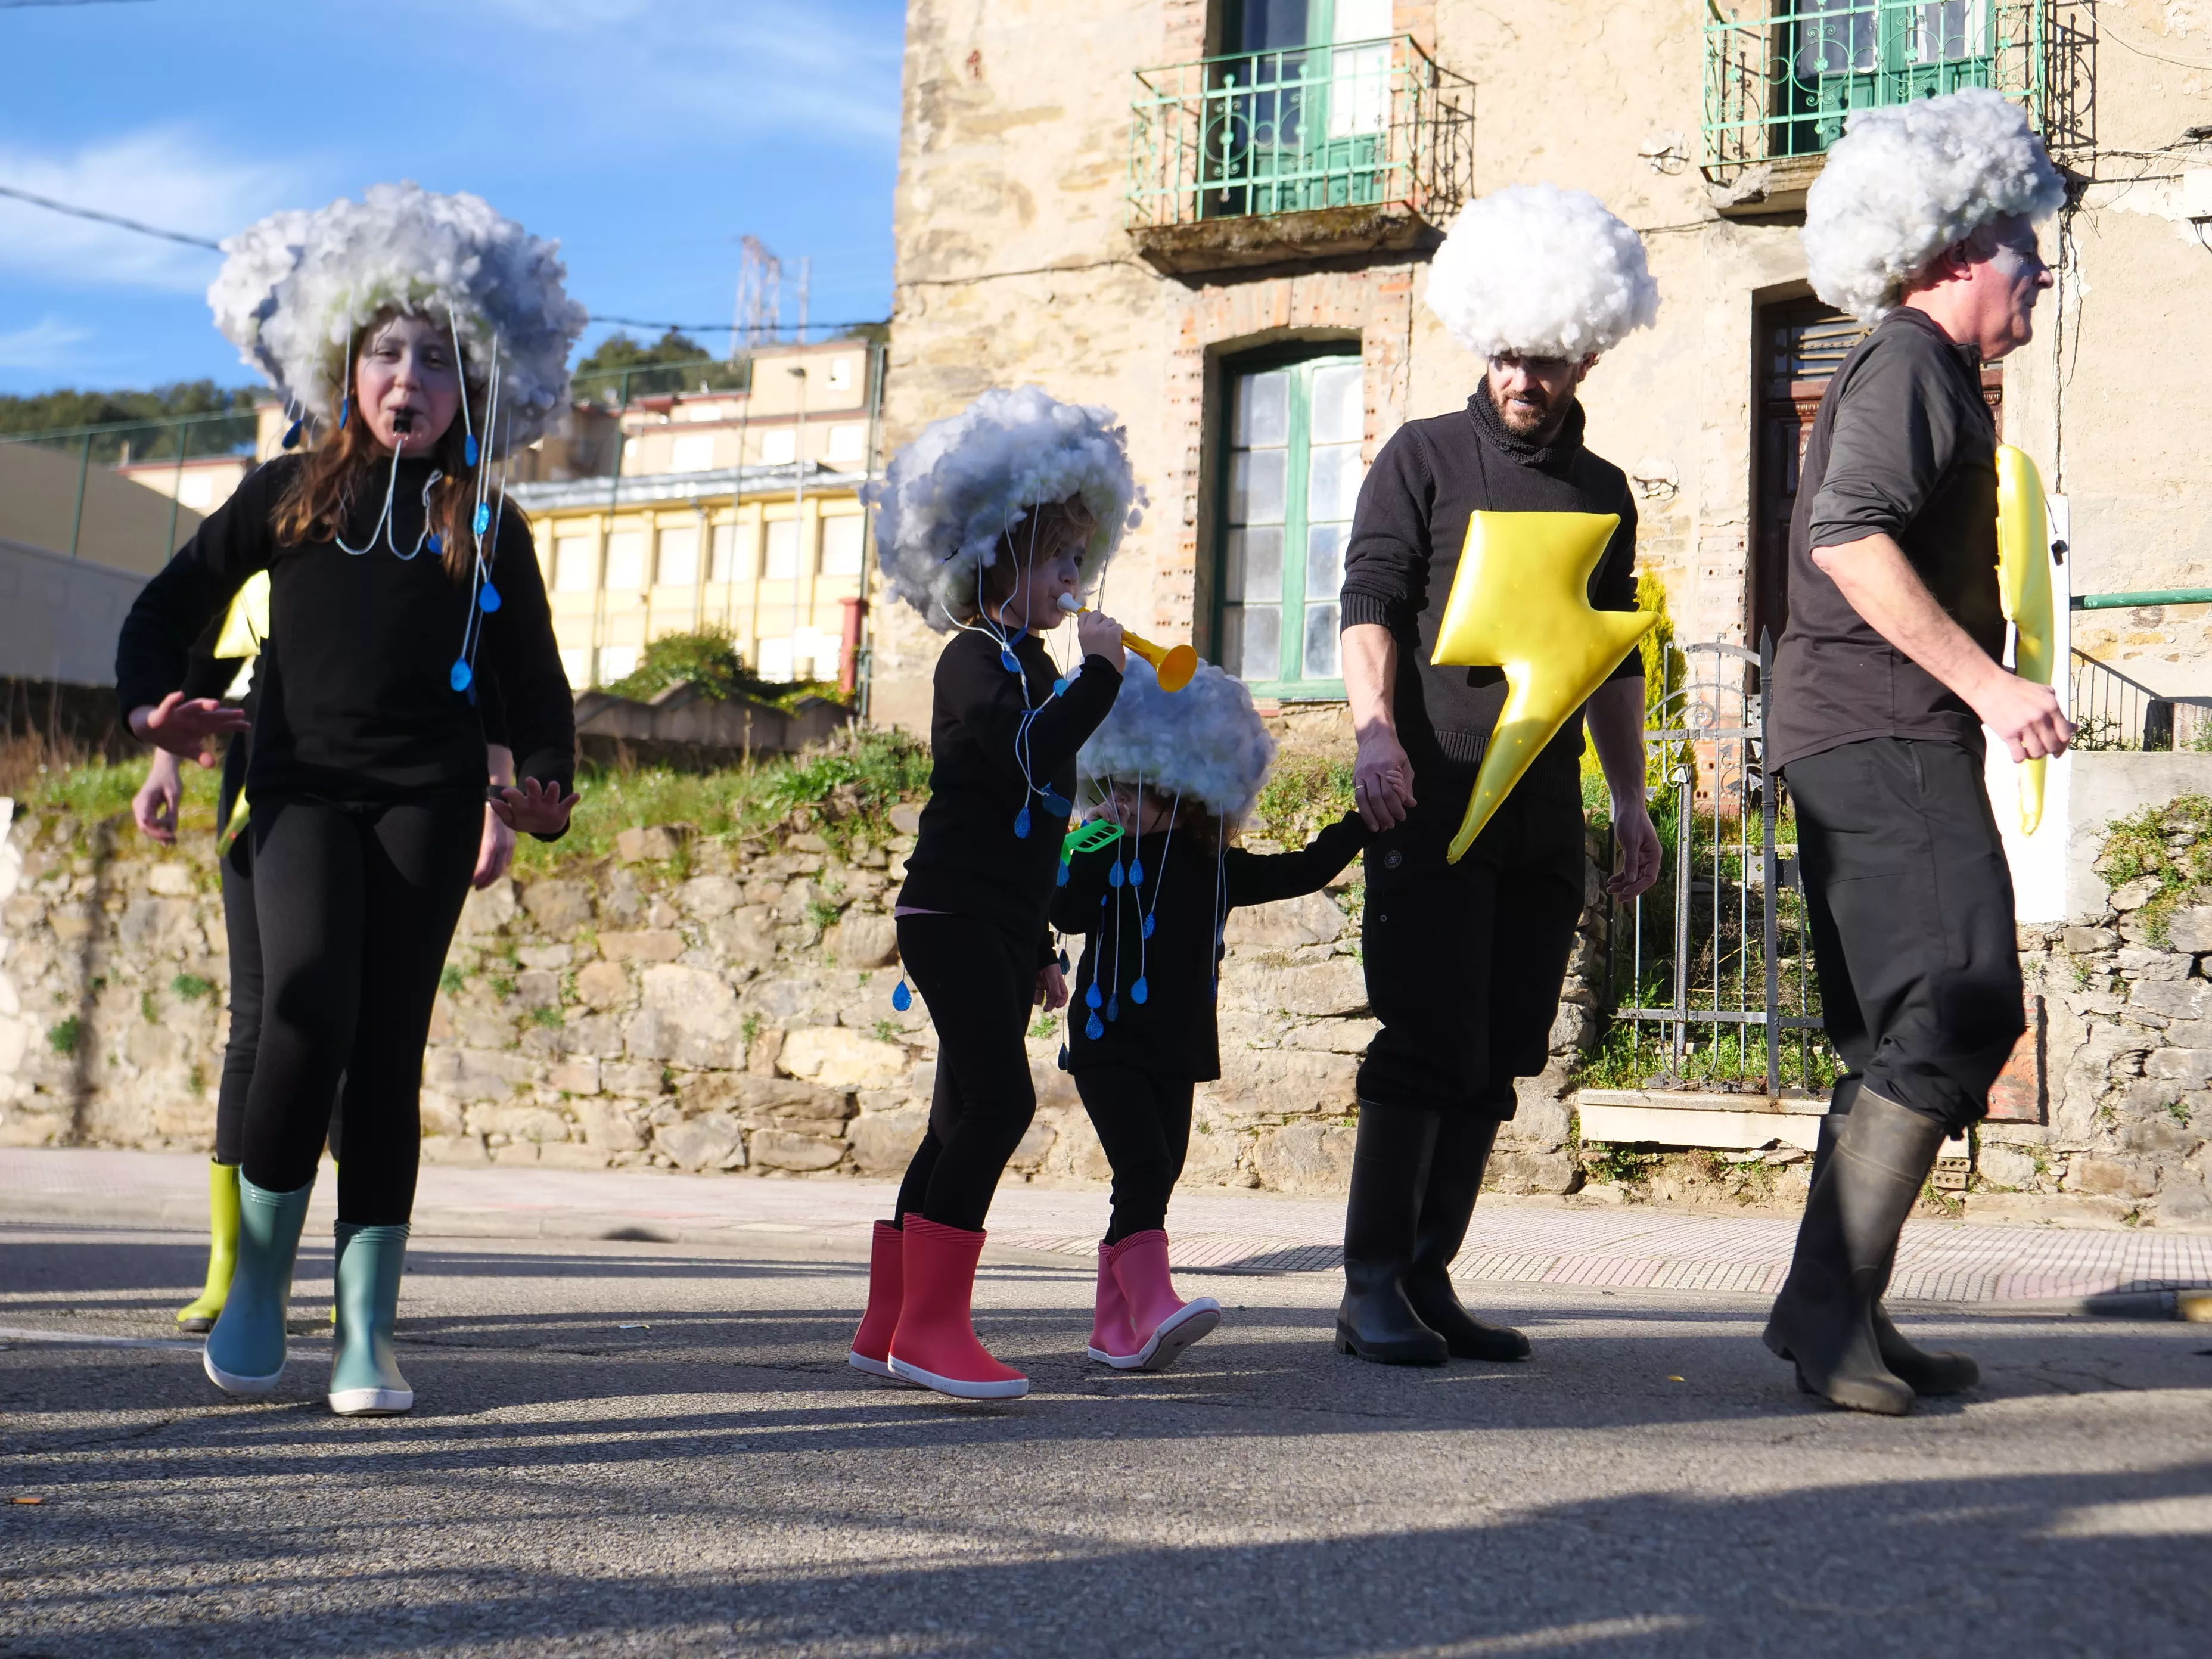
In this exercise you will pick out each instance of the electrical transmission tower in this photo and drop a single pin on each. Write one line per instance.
(759, 312)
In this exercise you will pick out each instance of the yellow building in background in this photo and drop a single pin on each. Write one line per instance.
(736, 508)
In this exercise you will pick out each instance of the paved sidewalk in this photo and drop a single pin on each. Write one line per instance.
(1642, 1247)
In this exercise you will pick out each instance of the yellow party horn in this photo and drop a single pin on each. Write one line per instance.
(1173, 664)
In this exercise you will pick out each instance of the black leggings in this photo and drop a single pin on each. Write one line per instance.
(980, 984)
(1143, 1121)
(356, 904)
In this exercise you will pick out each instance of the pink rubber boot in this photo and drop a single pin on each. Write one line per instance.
(871, 1343)
(1113, 1340)
(935, 1342)
(1163, 1323)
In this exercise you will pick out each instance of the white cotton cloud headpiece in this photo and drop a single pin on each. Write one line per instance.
(967, 480)
(1541, 271)
(1204, 742)
(1905, 182)
(295, 288)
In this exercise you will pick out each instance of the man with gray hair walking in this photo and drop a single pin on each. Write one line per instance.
(1922, 222)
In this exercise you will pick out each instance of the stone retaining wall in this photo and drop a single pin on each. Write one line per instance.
(685, 1003)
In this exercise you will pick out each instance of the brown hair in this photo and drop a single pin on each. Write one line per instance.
(347, 463)
(1044, 532)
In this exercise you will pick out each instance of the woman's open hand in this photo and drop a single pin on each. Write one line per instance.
(495, 852)
(536, 809)
(186, 727)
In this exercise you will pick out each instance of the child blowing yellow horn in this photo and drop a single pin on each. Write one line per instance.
(1172, 665)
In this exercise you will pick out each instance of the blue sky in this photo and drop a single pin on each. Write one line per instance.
(647, 136)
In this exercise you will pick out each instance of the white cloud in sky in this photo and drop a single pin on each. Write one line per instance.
(168, 176)
(790, 69)
(48, 344)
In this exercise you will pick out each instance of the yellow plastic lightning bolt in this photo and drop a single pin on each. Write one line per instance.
(1520, 602)
(2023, 589)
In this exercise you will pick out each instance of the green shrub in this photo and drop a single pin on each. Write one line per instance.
(65, 1037)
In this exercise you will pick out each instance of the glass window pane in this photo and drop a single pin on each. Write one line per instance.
(625, 570)
(782, 551)
(1325, 560)
(1321, 641)
(1263, 409)
(1258, 633)
(1338, 415)
(841, 545)
(1255, 486)
(573, 557)
(728, 566)
(679, 556)
(1254, 565)
(1332, 481)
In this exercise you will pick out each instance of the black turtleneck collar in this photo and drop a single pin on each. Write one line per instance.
(1552, 457)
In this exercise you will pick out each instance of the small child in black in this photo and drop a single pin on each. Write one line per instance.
(1142, 1030)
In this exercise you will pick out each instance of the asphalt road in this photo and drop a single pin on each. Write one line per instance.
(630, 1448)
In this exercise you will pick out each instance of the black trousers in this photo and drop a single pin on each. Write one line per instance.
(356, 905)
(1143, 1122)
(980, 984)
(1464, 961)
(1909, 900)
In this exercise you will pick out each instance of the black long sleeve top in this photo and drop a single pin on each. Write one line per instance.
(1173, 1032)
(1407, 533)
(990, 740)
(353, 694)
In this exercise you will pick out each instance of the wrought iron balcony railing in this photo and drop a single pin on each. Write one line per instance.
(1782, 78)
(1372, 124)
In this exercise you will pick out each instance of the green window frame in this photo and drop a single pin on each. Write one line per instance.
(1290, 473)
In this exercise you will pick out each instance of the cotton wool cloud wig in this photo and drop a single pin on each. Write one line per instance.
(1204, 742)
(295, 288)
(965, 481)
(1542, 272)
(1905, 182)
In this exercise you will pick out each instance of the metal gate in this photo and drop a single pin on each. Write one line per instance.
(1710, 973)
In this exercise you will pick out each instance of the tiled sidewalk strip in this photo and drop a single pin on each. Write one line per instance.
(1938, 1262)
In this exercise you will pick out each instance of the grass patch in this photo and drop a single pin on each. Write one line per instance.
(451, 980)
(1305, 793)
(843, 792)
(1611, 1161)
(548, 1018)
(2171, 845)
(192, 988)
(66, 1036)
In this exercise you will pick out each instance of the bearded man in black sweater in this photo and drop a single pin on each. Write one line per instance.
(1464, 960)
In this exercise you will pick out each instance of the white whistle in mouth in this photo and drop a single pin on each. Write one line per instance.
(1069, 603)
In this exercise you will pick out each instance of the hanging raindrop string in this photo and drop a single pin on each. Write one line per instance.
(469, 447)
(384, 519)
(1221, 903)
(1142, 990)
(484, 597)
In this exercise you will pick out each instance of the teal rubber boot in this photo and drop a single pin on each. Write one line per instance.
(244, 1351)
(365, 1379)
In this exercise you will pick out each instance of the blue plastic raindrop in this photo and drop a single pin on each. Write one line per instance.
(345, 410)
(1090, 998)
(901, 999)
(1139, 991)
(435, 543)
(1061, 879)
(1057, 805)
(469, 454)
(1137, 870)
(488, 600)
(461, 676)
(1059, 686)
(1063, 959)
(483, 511)
(1007, 662)
(1021, 825)
(1149, 921)
(1093, 1028)
(1114, 876)
(1063, 1056)
(292, 437)
(1113, 1007)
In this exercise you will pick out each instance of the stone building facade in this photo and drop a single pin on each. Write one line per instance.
(1030, 248)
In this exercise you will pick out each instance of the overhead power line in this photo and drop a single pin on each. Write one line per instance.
(74, 212)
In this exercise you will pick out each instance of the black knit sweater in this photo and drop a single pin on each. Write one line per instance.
(353, 698)
(1173, 1032)
(989, 740)
(1406, 537)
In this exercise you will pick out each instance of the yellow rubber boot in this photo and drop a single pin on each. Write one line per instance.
(222, 1249)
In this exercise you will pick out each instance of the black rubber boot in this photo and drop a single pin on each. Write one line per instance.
(1389, 1172)
(1824, 1318)
(1463, 1149)
(1924, 1373)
